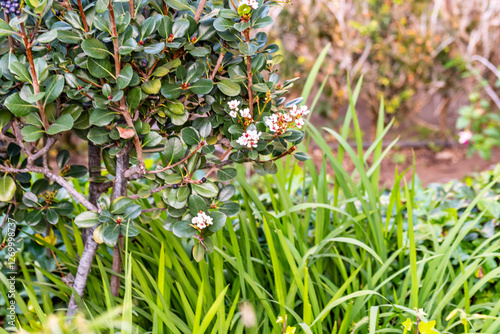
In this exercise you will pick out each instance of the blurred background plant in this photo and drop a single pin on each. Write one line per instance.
(421, 56)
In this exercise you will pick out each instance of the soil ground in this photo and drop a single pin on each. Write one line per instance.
(438, 155)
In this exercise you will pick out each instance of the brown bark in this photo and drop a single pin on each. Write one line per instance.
(85, 264)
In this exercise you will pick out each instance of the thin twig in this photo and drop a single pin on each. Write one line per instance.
(200, 145)
(11, 40)
(56, 178)
(35, 83)
(289, 151)
(131, 8)
(222, 159)
(48, 145)
(216, 68)
(89, 82)
(123, 108)
(199, 10)
(249, 74)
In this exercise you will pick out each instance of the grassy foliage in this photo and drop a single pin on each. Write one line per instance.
(330, 255)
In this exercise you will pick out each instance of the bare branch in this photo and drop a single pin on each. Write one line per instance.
(123, 107)
(135, 170)
(131, 8)
(249, 74)
(48, 145)
(56, 178)
(35, 83)
(216, 68)
(214, 168)
(11, 40)
(199, 11)
(82, 14)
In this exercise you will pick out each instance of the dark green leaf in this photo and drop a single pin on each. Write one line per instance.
(125, 76)
(174, 150)
(21, 71)
(196, 204)
(119, 205)
(87, 219)
(153, 138)
(101, 117)
(223, 24)
(171, 91)
(302, 156)
(248, 49)
(183, 229)
(229, 88)
(219, 220)
(62, 158)
(95, 48)
(63, 123)
(226, 193)
(178, 4)
(132, 212)
(230, 208)
(52, 216)
(30, 199)
(100, 68)
(207, 189)
(32, 133)
(54, 89)
(201, 87)
(18, 106)
(98, 136)
(180, 27)
(190, 136)
(226, 174)
(110, 234)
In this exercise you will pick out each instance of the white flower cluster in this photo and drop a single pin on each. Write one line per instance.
(279, 122)
(250, 138)
(250, 3)
(202, 220)
(233, 105)
(245, 113)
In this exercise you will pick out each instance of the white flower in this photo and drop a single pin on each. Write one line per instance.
(279, 320)
(245, 113)
(420, 312)
(233, 113)
(251, 3)
(202, 220)
(233, 105)
(272, 123)
(250, 138)
(302, 111)
(464, 137)
(287, 118)
(300, 122)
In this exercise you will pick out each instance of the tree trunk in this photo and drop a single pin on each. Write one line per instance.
(120, 189)
(94, 166)
(85, 264)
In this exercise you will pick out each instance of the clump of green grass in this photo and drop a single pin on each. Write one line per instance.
(328, 253)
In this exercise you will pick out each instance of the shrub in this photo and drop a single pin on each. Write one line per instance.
(178, 79)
